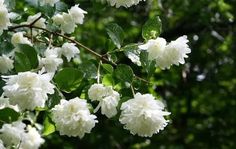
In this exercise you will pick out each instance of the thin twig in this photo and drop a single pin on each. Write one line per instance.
(101, 57)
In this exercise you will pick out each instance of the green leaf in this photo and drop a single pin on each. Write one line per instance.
(31, 54)
(54, 99)
(21, 62)
(152, 28)
(107, 80)
(124, 73)
(49, 127)
(108, 68)
(8, 115)
(116, 34)
(149, 66)
(133, 53)
(68, 79)
(89, 68)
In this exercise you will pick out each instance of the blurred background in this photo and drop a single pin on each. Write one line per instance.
(201, 94)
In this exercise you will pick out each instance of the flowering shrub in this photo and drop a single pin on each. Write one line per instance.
(45, 68)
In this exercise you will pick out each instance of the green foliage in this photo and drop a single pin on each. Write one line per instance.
(26, 59)
(124, 73)
(8, 115)
(68, 79)
(116, 34)
(152, 28)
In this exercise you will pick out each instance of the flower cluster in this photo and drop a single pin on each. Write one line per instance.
(73, 118)
(6, 64)
(107, 97)
(143, 115)
(4, 17)
(68, 21)
(125, 3)
(52, 56)
(52, 60)
(18, 38)
(20, 136)
(28, 90)
(165, 54)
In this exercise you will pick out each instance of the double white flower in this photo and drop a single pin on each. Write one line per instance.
(107, 97)
(165, 54)
(4, 17)
(143, 115)
(28, 90)
(73, 117)
(68, 21)
(6, 64)
(20, 136)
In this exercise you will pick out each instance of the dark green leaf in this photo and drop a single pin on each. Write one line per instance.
(68, 79)
(116, 34)
(31, 54)
(21, 62)
(124, 73)
(152, 28)
(8, 115)
(89, 68)
(108, 67)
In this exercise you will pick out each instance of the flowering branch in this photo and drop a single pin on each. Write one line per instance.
(101, 57)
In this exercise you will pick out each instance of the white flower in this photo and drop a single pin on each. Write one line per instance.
(68, 21)
(51, 61)
(11, 134)
(49, 2)
(177, 50)
(107, 97)
(65, 21)
(154, 48)
(4, 103)
(38, 23)
(143, 115)
(125, 3)
(69, 50)
(6, 64)
(18, 38)
(1, 145)
(96, 92)
(78, 14)
(31, 139)
(17, 135)
(4, 17)
(28, 89)
(73, 117)
(58, 19)
(68, 25)
(166, 55)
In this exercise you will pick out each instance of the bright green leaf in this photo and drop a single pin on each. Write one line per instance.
(49, 127)
(108, 80)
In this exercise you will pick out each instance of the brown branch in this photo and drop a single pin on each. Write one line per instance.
(101, 57)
